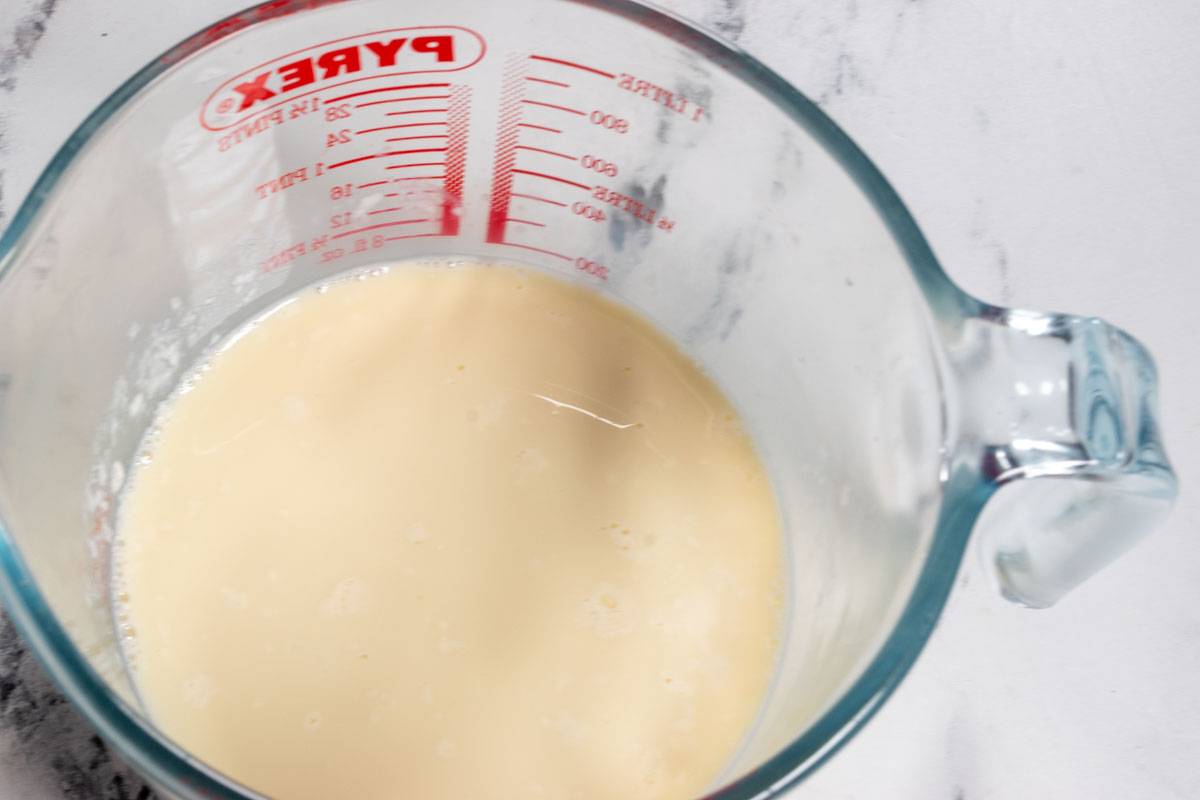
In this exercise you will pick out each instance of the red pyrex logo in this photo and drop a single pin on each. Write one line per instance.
(399, 51)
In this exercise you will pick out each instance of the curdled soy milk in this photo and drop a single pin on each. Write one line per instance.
(453, 532)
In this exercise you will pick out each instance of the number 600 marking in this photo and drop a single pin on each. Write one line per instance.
(599, 165)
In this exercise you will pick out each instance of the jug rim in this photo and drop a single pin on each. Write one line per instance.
(964, 494)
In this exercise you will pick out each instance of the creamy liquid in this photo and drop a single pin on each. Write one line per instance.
(453, 532)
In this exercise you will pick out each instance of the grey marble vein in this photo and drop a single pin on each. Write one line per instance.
(26, 34)
(61, 753)
(729, 20)
(19, 47)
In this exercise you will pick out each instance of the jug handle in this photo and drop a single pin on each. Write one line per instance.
(1062, 414)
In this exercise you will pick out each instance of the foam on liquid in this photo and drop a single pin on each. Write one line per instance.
(468, 532)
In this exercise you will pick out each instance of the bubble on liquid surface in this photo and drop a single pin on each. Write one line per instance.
(137, 405)
(312, 722)
(676, 683)
(530, 459)
(386, 704)
(652, 766)
(349, 596)
(199, 690)
(569, 729)
(117, 477)
(608, 611)
(449, 645)
(295, 408)
(233, 598)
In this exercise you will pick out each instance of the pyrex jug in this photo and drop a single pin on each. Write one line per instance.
(608, 142)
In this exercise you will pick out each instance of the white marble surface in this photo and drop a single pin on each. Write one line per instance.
(1049, 151)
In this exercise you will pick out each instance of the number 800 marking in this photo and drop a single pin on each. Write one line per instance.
(610, 121)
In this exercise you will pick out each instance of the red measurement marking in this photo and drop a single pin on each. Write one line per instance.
(413, 191)
(539, 127)
(525, 222)
(506, 135)
(573, 64)
(537, 250)
(410, 236)
(552, 178)
(422, 164)
(549, 152)
(397, 127)
(404, 99)
(369, 185)
(385, 155)
(354, 160)
(552, 83)
(542, 199)
(551, 105)
(380, 225)
(421, 177)
(416, 111)
(456, 159)
(385, 210)
(385, 89)
(413, 138)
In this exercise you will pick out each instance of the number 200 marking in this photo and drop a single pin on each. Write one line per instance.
(592, 268)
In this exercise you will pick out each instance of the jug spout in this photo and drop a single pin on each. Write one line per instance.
(1060, 415)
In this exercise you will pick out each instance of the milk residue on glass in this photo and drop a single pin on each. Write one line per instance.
(452, 532)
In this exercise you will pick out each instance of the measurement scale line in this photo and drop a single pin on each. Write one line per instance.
(387, 89)
(385, 155)
(411, 191)
(410, 236)
(421, 177)
(418, 111)
(572, 64)
(541, 150)
(507, 135)
(380, 225)
(404, 100)
(396, 127)
(524, 221)
(583, 186)
(422, 164)
(369, 185)
(542, 199)
(551, 105)
(536, 250)
(385, 210)
(414, 138)
(552, 83)
(458, 116)
(539, 127)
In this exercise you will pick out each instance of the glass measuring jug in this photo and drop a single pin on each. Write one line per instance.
(607, 142)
